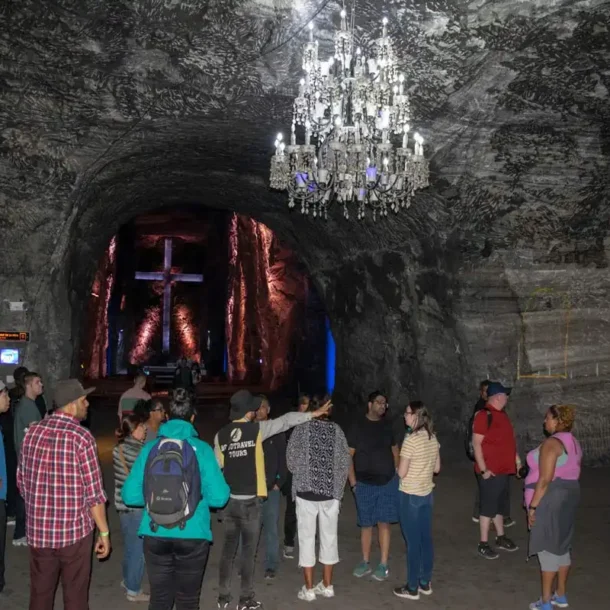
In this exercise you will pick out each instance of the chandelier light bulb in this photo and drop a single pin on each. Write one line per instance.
(310, 25)
(282, 146)
(401, 78)
(386, 161)
(418, 138)
(302, 82)
(358, 51)
(384, 21)
(343, 13)
(338, 121)
(280, 137)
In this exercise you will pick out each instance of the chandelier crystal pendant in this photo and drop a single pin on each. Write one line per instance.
(348, 111)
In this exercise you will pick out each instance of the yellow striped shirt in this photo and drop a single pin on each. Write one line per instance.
(421, 451)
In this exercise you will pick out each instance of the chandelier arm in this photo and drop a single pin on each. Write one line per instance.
(387, 190)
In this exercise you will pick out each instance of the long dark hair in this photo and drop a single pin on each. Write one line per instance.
(318, 401)
(128, 425)
(424, 420)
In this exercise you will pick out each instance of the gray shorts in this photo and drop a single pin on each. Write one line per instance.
(552, 563)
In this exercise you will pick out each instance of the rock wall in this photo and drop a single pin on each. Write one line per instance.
(109, 110)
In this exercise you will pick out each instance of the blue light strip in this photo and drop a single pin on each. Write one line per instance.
(330, 359)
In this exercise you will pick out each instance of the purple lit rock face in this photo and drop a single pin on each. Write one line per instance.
(108, 118)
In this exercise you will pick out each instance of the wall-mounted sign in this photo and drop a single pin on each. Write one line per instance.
(14, 335)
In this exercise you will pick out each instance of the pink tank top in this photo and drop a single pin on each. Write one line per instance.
(566, 468)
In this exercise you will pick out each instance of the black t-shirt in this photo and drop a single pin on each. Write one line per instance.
(480, 405)
(373, 442)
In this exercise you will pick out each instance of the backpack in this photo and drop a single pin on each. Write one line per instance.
(172, 483)
(469, 433)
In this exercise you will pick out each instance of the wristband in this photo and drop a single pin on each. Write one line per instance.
(104, 534)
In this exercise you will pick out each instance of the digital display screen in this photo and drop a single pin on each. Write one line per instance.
(9, 356)
(14, 335)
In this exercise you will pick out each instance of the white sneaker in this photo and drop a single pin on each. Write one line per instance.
(288, 552)
(320, 589)
(20, 541)
(138, 597)
(307, 595)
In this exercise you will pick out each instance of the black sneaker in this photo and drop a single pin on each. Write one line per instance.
(223, 602)
(249, 604)
(425, 588)
(508, 522)
(269, 574)
(506, 544)
(486, 551)
(406, 593)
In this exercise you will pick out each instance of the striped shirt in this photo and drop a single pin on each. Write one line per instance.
(421, 451)
(126, 451)
(60, 479)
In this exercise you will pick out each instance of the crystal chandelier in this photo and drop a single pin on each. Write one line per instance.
(348, 111)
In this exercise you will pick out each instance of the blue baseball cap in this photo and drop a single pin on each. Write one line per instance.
(495, 387)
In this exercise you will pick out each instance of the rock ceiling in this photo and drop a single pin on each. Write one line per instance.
(110, 108)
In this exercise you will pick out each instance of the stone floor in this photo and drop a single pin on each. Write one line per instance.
(462, 581)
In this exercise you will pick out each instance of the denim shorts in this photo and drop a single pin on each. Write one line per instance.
(377, 503)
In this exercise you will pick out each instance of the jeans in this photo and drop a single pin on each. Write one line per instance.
(2, 541)
(416, 526)
(290, 516)
(72, 564)
(242, 521)
(175, 571)
(133, 551)
(19, 517)
(271, 516)
(476, 511)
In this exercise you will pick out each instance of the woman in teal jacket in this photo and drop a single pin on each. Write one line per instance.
(176, 558)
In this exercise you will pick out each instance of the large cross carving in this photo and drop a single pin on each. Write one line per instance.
(167, 277)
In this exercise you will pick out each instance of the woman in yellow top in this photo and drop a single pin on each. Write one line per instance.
(419, 461)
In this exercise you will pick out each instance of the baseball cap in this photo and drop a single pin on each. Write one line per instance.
(243, 402)
(495, 387)
(69, 390)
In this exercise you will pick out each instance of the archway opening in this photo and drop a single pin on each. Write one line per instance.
(215, 287)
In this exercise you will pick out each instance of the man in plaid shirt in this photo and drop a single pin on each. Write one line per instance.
(60, 479)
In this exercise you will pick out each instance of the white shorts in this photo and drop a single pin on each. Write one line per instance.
(308, 514)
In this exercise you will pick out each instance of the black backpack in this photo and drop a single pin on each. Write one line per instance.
(469, 433)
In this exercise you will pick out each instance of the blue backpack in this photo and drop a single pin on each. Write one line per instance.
(172, 483)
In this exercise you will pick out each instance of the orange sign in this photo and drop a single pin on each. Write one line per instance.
(14, 335)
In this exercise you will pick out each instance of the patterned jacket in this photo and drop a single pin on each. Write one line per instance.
(318, 457)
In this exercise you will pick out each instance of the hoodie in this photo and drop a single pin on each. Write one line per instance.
(214, 489)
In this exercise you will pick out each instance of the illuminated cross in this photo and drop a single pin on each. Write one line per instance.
(167, 277)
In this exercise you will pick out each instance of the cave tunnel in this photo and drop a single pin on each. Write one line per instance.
(366, 280)
(239, 303)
